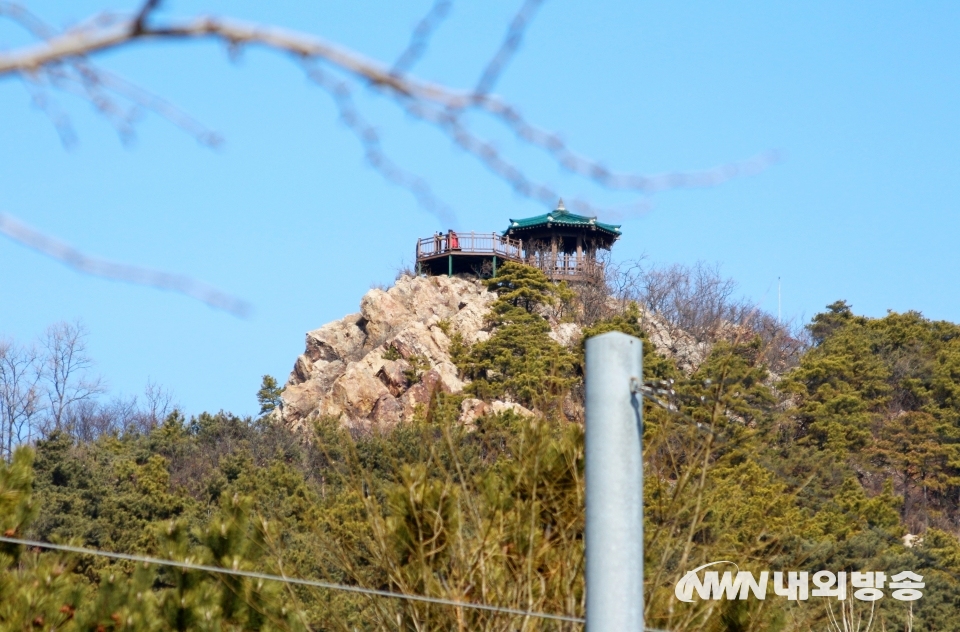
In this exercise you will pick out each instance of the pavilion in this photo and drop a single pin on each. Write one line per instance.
(562, 244)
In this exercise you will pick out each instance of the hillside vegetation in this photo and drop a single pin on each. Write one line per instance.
(827, 463)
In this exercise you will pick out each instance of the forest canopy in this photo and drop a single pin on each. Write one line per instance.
(828, 463)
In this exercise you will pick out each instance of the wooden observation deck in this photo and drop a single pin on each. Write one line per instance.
(562, 244)
(466, 253)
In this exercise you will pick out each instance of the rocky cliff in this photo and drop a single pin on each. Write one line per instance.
(375, 367)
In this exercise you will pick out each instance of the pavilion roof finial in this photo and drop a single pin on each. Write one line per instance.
(560, 206)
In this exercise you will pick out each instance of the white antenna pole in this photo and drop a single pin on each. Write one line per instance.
(778, 300)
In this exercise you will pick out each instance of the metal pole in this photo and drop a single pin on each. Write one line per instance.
(614, 471)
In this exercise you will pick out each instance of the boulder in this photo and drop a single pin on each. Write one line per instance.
(497, 407)
(420, 393)
(567, 334)
(387, 411)
(472, 409)
(394, 375)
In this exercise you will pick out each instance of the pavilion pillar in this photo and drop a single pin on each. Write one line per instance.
(449, 265)
(553, 255)
(494, 265)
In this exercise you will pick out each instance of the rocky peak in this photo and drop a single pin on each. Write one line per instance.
(375, 367)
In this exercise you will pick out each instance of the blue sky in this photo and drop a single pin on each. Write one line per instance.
(861, 98)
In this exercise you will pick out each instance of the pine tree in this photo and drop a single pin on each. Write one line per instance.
(269, 395)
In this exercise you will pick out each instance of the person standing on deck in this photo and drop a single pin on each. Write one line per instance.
(453, 241)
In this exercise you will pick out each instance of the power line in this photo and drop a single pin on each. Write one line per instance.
(291, 580)
(296, 580)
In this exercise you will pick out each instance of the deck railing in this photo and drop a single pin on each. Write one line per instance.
(563, 266)
(470, 243)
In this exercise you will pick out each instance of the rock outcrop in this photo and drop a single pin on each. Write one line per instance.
(374, 368)
(675, 344)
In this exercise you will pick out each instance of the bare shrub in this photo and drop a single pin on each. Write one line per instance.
(696, 299)
(594, 300)
(623, 280)
(405, 268)
(160, 403)
(701, 302)
(91, 419)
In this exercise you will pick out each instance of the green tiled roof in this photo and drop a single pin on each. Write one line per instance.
(561, 217)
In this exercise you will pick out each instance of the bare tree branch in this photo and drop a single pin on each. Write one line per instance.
(373, 150)
(19, 395)
(26, 19)
(23, 234)
(65, 367)
(421, 37)
(95, 78)
(85, 41)
(51, 109)
(511, 43)
(100, 88)
(110, 33)
(148, 7)
(160, 403)
(91, 83)
(488, 155)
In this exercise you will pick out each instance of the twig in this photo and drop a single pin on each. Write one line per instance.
(373, 149)
(148, 7)
(51, 109)
(23, 234)
(91, 78)
(509, 47)
(421, 37)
